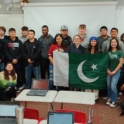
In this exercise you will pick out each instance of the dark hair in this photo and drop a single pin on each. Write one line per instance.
(6, 74)
(82, 26)
(118, 47)
(104, 27)
(114, 29)
(121, 37)
(3, 29)
(12, 29)
(56, 37)
(45, 26)
(24, 28)
(32, 31)
(77, 36)
(90, 47)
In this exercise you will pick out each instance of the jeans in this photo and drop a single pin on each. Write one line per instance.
(1, 66)
(28, 72)
(112, 86)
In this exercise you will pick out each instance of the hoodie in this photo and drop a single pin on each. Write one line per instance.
(12, 49)
(1, 51)
(45, 44)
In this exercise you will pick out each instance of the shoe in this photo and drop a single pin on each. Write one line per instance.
(109, 102)
(104, 97)
(22, 87)
(113, 104)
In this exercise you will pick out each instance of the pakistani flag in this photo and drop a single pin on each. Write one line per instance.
(84, 71)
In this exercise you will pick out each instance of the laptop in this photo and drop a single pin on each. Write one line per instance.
(60, 118)
(39, 87)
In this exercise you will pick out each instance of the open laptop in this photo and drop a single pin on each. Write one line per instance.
(60, 118)
(39, 87)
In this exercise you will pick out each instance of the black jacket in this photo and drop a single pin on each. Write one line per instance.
(1, 51)
(35, 52)
(67, 41)
(12, 49)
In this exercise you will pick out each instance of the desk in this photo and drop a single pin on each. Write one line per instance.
(49, 98)
(30, 121)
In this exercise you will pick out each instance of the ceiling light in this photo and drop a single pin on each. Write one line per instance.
(6, 1)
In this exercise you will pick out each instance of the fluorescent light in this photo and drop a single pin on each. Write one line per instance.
(6, 1)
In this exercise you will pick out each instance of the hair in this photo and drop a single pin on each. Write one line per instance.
(77, 36)
(122, 37)
(3, 28)
(118, 47)
(32, 31)
(56, 37)
(114, 29)
(104, 27)
(90, 46)
(45, 26)
(12, 29)
(13, 73)
(82, 26)
(24, 28)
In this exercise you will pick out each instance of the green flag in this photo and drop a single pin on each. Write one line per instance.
(84, 71)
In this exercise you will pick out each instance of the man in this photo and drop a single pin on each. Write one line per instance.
(46, 40)
(67, 41)
(84, 37)
(104, 36)
(2, 33)
(114, 34)
(31, 53)
(13, 52)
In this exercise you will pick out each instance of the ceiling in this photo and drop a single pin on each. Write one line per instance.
(14, 6)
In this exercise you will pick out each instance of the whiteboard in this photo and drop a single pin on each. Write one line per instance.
(56, 16)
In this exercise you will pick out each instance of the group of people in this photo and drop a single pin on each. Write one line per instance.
(20, 56)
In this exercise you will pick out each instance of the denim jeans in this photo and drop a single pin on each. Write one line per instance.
(28, 72)
(1, 66)
(112, 86)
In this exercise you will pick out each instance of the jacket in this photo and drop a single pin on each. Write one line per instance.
(2, 57)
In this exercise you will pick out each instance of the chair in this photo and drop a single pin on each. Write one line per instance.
(79, 117)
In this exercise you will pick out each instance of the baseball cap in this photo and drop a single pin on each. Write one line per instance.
(64, 27)
(94, 38)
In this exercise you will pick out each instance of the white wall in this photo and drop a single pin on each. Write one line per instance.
(12, 20)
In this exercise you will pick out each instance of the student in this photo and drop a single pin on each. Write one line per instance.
(122, 38)
(1, 56)
(31, 53)
(115, 63)
(66, 39)
(104, 36)
(2, 33)
(84, 37)
(46, 40)
(75, 47)
(114, 34)
(93, 49)
(13, 52)
(57, 46)
(8, 80)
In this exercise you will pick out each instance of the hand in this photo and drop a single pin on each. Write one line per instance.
(113, 72)
(109, 73)
(14, 61)
(29, 61)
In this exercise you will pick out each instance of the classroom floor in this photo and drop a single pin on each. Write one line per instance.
(103, 114)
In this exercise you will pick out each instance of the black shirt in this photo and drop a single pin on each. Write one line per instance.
(67, 41)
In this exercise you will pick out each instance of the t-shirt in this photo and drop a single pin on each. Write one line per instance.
(114, 59)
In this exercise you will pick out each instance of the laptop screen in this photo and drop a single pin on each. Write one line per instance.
(39, 84)
(60, 118)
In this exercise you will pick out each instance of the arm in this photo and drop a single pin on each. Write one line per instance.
(50, 52)
(51, 59)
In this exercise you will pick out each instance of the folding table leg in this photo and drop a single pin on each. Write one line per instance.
(50, 104)
(52, 107)
(90, 115)
(25, 104)
(61, 105)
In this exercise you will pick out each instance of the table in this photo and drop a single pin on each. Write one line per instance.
(30, 121)
(49, 98)
(76, 97)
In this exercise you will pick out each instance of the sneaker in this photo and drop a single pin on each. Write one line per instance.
(109, 102)
(113, 104)
(22, 87)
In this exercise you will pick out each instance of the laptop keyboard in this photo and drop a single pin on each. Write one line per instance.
(37, 91)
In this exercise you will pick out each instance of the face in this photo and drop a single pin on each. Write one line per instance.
(123, 38)
(59, 40)
(45, 31)
(25, 33)
(2, 32)
(12, 34)
(114, 33)
(30, 35)
(82, 31)
(103, 32)
(9, 67)
(113, 43)
(64, 32)
(93, 43)
(77, 40)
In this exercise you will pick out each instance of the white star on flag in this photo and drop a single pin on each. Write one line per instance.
(93, 67)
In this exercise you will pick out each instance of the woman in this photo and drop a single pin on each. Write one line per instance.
(115, 63)
(93, 49)
(57, 46)
(8, 80)
(122, 38)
